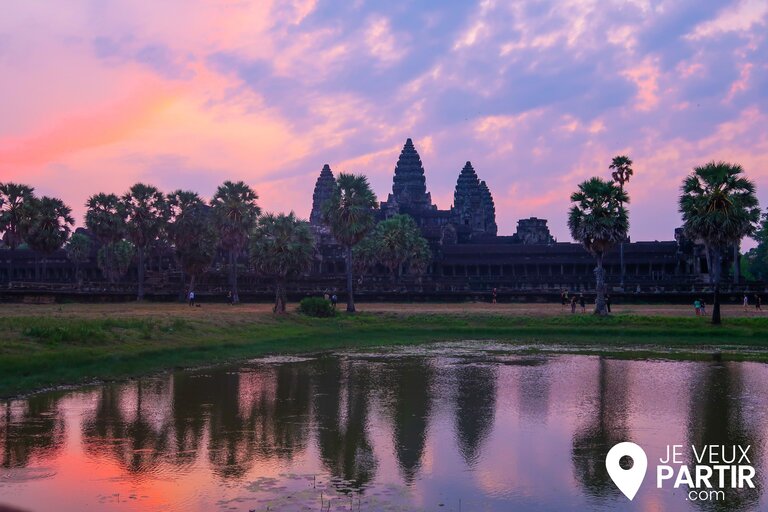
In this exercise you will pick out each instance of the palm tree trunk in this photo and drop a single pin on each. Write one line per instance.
(714, 272)
(280, 297)
(621, 263)
(350, 296)
(10, 267)
(233, 275)
(600, 308)
(140, 272)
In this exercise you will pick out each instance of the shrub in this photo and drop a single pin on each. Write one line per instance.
(317, 307)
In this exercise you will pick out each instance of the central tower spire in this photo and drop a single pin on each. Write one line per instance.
(409, 186)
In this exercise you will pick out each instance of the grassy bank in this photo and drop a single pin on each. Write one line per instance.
(44, 347)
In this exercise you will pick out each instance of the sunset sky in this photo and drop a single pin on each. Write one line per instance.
(96, 95)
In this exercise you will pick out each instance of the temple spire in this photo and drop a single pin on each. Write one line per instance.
(323, 190)
(409, 187)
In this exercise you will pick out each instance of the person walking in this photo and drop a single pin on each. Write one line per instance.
(573, 304)
(608, 302)
(493, 296)
(758, 302)
(563, 299)
(334, 300)
(703, 308)
(191, 298)
(697, 307)
(582, 303)
(746, 301)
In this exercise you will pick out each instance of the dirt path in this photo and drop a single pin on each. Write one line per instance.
(246, 310)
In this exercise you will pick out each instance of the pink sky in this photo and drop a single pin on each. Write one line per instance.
(95, 96)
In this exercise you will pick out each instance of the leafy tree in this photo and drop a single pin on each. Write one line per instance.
(756, 259)
(192, 232)
(115, 259)
(105, 219)
(46, 224)
(364, 255)
(281, 247)
(235, 213)
(621, 167)
(397, 241)
(146, 214)
(599, 221)
(79, 252)
(719, 208)
(349, 215)
(13, 197)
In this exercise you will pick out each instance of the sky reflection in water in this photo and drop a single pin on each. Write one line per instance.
(432, 428)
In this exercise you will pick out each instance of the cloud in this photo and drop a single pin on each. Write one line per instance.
(538, 95)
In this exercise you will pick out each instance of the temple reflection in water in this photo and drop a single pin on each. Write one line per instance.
(416, 428)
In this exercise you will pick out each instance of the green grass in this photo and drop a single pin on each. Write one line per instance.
(41, 351)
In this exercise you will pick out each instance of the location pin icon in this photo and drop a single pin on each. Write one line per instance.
(627, 480)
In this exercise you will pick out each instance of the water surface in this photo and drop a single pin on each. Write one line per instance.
(459, 426)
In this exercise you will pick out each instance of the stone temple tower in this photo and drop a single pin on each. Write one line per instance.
(323, 190)
(409, 187)
(473, 205)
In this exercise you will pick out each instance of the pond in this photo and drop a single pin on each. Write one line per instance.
(446, 427)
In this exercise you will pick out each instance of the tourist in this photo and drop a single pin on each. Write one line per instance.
(563, 299)
(703, 308)
(746, 301)
(573, 304)
(191, 298)
(230, 298)
(334, 300)
(697, 306)
(608, 302)
(493, 296)
(582, 303)
(758, 302)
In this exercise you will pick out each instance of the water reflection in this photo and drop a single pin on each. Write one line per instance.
(717, 418)
(475, 409)
(341, 410)
(605, 412)
(32, 429)
(414, 428)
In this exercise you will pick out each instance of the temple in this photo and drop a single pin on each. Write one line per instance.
(469, 257)
(469, 254)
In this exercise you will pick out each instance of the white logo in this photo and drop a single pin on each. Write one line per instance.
(627, 480)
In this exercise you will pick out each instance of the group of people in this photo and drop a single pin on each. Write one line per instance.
(581, 301)
(700, 306)
(758, 302)
(331, 297)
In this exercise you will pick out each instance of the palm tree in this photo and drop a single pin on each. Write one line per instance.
(46, 225)
(349, 215)
(79, 252)
(192, 232)
(719, 208)
(398, 241)
(282, 246)
(599, 221)
(146, 214)
(235, 212)
(13, 197)
(622, 170)
(105, 219)
(115, 258)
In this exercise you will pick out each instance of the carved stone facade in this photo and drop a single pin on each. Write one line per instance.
(533, 231)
